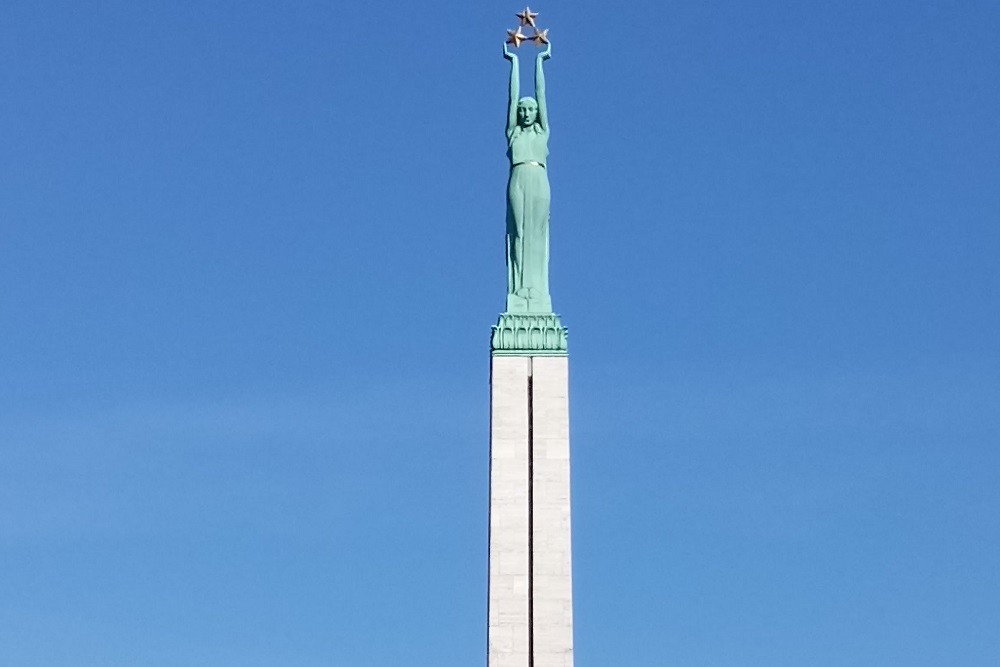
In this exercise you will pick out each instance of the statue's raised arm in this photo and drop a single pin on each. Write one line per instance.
(515, 90)
(543, 113)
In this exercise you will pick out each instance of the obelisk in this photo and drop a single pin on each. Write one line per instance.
(530, 576)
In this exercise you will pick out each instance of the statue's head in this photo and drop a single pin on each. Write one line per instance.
(527, 111)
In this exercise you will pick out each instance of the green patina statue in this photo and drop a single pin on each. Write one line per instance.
(528, 327)
(528, 193)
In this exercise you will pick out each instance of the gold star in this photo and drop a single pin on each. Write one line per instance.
(540, 37)
(515, 37)
(527, 17)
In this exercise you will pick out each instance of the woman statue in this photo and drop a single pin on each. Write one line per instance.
(528, 193)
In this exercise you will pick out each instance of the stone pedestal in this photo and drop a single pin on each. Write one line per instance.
(530, 585)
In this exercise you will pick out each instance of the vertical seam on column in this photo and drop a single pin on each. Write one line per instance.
(531, 518)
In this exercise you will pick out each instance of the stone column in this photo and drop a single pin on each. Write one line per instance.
(551, 575)
(509, 513)
(530, 586)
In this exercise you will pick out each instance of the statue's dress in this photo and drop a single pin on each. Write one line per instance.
(528, 200)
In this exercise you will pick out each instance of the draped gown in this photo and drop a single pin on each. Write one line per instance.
(528, 201)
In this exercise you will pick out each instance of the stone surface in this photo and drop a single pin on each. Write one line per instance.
(552, 594)
(530, 587)
(508, 584)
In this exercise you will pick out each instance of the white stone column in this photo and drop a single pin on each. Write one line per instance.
(551, 581)
(530, 587)
(508, 596)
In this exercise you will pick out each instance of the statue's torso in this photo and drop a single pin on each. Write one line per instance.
(529, 146)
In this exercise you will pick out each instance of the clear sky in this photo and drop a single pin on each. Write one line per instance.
(250, 253)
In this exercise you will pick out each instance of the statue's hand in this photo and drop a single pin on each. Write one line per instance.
(547, 53)
(507, 53)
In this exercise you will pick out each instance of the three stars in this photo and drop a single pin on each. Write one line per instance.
(527, 18)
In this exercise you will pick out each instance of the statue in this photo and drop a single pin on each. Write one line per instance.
(528, 327)
(528, 187)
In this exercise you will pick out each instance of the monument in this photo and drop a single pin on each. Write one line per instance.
(530, 578)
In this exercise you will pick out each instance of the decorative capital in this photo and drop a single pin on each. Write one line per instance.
(529, 335)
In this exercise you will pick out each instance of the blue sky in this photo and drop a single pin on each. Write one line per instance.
(251, 253)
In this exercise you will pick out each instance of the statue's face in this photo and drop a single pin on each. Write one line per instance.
(527, 112)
